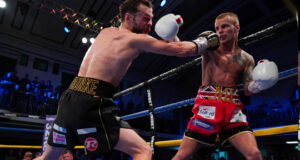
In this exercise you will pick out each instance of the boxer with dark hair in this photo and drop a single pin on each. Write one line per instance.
(86, 111)
(217, 110)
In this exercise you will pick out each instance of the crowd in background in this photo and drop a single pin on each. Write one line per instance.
(35, 97)
(21, 154)
(30, 155)
(268, 115)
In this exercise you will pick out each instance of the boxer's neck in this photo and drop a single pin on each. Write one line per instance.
(124, 27)
(229, 46)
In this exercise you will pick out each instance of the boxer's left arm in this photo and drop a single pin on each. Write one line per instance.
(207, 41)
(150, 44)
(247, 74)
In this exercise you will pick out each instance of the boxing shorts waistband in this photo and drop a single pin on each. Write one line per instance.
(219, 93)
(92, 86)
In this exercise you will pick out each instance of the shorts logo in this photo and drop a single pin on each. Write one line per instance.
(202, 124)
(207, 112)
(58, 128)
(59, 138)
(91, 144)
(238, 116)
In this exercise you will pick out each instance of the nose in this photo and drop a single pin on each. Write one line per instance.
(220, 30)
(149, 23)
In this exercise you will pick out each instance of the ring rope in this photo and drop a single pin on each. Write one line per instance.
(160, 109)
(162, 76)
(282, 75)
(288, 73)
(21, 130)
(242, 42)
(168, 143)
(267, 32)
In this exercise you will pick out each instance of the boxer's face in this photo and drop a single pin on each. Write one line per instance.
(142, 20)
(226, 30)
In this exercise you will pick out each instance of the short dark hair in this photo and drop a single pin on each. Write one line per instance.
(131, 6)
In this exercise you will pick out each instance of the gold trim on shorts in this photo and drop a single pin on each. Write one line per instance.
(198, 141)
(234, 136)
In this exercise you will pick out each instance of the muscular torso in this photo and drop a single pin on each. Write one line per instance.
(220, 68)
(109, 57)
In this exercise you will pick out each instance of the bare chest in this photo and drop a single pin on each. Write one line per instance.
(227, 62)
(222, 69)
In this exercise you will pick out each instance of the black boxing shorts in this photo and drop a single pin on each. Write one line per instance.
(87, 115)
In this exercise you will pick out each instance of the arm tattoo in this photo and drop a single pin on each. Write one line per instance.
(247, 76)
(239, 59)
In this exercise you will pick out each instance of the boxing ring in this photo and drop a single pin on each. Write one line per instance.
(152, 111)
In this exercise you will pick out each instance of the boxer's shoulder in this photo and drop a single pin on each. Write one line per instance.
(248, 56)
(243, 52)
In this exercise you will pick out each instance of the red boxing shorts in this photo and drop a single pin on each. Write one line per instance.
(217, 111)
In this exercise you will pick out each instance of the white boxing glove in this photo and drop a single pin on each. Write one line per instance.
(167, 27)
(264, 75)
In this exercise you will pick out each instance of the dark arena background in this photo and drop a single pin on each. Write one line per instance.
(42, 44)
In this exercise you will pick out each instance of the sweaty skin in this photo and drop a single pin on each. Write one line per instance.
(229, 63)
(109, 57)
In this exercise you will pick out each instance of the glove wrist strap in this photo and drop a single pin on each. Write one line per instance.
(253, 87)
(201, 44)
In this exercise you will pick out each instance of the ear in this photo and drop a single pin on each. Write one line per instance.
(237, 27)
(127, 16)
